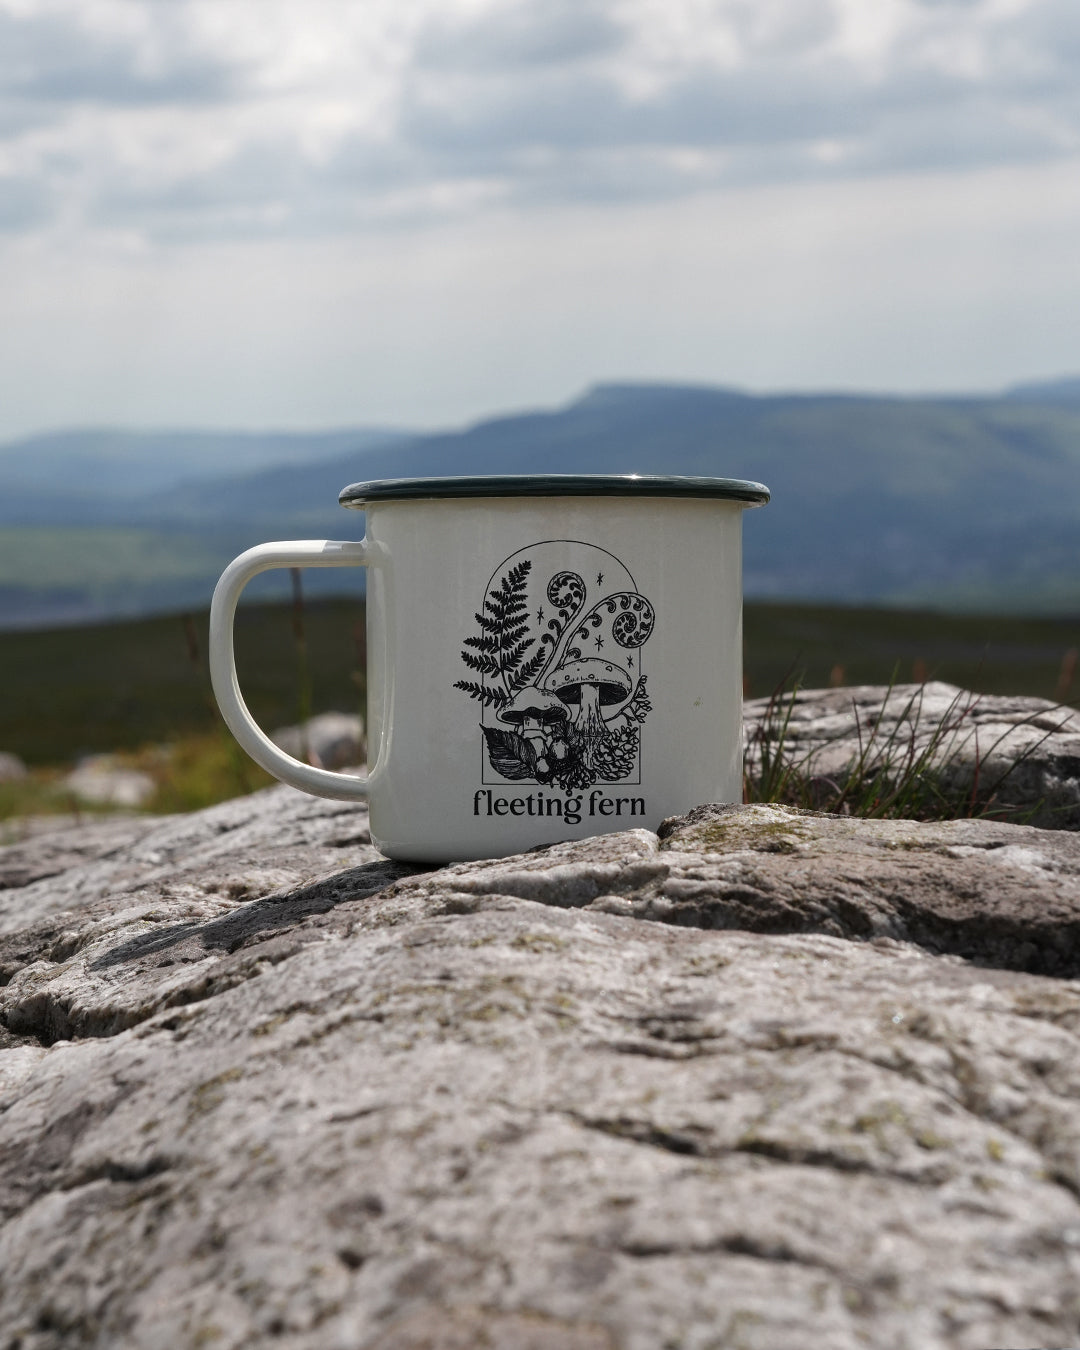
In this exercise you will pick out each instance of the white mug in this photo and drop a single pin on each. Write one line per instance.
(549, 657)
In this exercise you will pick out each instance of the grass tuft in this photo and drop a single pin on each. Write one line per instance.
(917, 769)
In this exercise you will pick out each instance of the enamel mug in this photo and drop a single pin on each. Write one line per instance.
(548, 657)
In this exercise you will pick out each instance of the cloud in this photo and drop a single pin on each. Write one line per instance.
(24, 202)
(195, 119)
(508, 39)
(57, 58)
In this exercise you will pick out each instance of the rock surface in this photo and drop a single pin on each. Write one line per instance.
(768, 1080)
(12, 769)
(1029, 746)
(104, 781)
(330, 740)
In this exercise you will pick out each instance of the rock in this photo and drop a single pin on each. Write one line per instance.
(332, 740)
(54, 846)
(12, 769)
(103, 781)
(260, 1086)
(1028, 745)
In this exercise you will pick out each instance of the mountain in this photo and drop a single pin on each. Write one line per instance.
(109, 476)
(950, 501)
(1065, 392)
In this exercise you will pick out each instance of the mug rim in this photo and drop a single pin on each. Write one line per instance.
(357, 495)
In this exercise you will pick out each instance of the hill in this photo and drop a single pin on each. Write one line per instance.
(110, 476)
(123, 684)
(969, 503)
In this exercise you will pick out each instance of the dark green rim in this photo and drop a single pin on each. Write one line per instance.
(358, 495)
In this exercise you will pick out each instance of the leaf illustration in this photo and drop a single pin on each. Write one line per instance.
(503, 640)
(510, 754)
(639, 706)
(488, 697)
(487, 665)
(513, 634)
(529, 671)
(513, 659)
(515, 578)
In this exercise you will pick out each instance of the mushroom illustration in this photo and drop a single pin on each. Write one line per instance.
(591, 684)
(536, 715)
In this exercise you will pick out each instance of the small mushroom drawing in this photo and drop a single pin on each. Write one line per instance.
(538, 716)
(590, 684)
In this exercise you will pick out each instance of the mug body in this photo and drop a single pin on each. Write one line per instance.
(549, 667)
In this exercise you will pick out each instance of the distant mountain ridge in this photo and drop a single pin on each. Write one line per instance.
(965, 501)
(1064, 391)
(110, 472)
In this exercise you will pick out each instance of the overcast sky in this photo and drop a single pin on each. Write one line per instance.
(323, 212)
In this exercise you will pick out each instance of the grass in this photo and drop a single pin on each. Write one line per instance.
(141, 691)
(122, 686)
(188, 774)
(845, 645)
(910, 769)
(140, 688)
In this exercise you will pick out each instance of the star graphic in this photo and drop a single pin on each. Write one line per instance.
(630, 661)
(599, 578)
(540, 616)
(599, 642)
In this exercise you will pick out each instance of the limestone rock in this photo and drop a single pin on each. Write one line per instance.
(260, 1086)
(12, 769)
(331, 740)
(103, 781)
(54, 846)
(1028, 745)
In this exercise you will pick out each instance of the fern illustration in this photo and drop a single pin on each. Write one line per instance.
(566, 594)
(487, 665)
(489, 695)
(500, 649)
(527, 673)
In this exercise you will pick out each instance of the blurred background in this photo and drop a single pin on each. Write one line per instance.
(253, 250)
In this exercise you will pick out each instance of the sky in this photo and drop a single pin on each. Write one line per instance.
(312, 213)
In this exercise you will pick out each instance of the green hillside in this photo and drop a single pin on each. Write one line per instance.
(101, 560)
(70, 691)
(76, 690)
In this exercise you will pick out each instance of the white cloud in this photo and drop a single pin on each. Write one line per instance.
(267, 116)
(923, 283)
(259, 211)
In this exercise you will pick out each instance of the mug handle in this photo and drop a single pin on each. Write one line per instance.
(263, 558)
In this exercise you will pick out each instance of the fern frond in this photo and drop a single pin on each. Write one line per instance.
(512, 636)
(515, 578)
(487, 696)
(529, 671)
(514, 657)
(487, 665)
